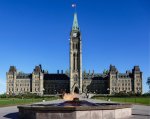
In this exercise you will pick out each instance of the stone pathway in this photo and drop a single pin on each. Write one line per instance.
(9, 112)
(138, 111)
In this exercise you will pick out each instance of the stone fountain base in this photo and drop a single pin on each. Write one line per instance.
(41, 111)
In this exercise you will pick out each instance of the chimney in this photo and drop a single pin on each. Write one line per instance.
(57, 71)
(40, 66)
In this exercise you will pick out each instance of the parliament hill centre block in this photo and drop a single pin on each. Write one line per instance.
(75, 80)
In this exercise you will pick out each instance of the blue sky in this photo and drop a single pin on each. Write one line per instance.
(36, 32)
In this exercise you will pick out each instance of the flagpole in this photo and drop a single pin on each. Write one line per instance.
(75, 9)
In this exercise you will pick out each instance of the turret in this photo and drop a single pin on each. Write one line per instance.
(37, 80)
(113, 75)
(137, 80)
(11, 80)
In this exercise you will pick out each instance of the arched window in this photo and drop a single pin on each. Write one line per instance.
(75, 78)
(74, 61)
(73, 45)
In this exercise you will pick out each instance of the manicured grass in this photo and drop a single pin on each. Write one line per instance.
(133, 100)
(17, 101)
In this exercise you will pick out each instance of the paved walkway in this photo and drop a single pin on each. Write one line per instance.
(138, 111)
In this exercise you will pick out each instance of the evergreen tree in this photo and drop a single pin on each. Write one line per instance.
(148, 82)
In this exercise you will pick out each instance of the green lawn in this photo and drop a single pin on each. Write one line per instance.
(133, 100)
(16, 101)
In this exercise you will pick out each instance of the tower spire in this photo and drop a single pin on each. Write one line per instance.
(75, 25)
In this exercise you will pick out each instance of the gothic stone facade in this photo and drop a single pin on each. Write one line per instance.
(41, 82)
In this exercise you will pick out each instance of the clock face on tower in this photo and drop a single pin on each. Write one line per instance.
(74, 34)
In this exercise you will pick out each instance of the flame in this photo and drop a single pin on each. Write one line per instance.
(69, 96)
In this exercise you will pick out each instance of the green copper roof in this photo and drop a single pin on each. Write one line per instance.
(75, 22)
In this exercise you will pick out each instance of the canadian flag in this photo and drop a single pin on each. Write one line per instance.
(73, 5)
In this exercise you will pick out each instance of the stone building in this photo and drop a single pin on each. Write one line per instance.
(38, 82)
(41, 82)
(125, 82)
(18, 82)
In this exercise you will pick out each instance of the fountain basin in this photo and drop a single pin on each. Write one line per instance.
(75, 111)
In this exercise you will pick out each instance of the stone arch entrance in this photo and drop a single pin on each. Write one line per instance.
(76, 90)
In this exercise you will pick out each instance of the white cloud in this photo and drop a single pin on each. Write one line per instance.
(2, 86)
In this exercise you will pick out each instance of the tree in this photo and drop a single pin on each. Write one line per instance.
(67, 72)
(105, 71)
(148, 82)
(84, 71)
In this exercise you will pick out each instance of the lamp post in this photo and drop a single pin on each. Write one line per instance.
(43, 91)
(88, 94)
(108, 90)
(43, 94)
(138, 91)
